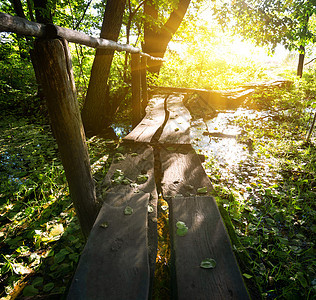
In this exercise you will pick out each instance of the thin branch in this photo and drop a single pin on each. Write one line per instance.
(137, 8)
(83, 15)
(310, 61)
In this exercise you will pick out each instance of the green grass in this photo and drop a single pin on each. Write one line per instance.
(40, 234)
(269, 198)
(271, 195)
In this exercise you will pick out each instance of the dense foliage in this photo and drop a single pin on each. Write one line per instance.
(291, 23)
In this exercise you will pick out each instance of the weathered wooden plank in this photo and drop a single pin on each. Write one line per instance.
(134, 160)
(154, 119)
(183, 173)
(229, 99)
(114, 263)
(206, 238)
(177, 128)
(132, 170)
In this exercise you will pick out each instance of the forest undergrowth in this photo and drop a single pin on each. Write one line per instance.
(269, 196)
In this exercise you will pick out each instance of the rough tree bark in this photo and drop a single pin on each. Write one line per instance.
(55, 69)
(96, 113)
(153, 34)
(42, 12)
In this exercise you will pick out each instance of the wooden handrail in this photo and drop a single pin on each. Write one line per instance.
(22, 26)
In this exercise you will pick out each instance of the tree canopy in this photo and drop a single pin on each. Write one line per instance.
(269, 23)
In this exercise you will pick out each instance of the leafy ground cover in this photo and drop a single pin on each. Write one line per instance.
(40, 235)
(270, 193)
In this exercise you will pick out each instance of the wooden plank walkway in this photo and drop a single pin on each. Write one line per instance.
(116, 254)
(155, 116)
(159, 157)
(177, 127)
(206, 239)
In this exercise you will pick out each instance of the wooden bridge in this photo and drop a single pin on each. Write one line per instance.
(118, 260)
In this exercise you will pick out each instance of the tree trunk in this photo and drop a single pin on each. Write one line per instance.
(55, 69)
(157, 39)
(24, 49)
(301, 61)
(42, 12)
(96, 109)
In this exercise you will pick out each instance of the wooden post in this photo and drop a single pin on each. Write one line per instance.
(301, 61)
(56, 75)
(144, 84)
(136, 91)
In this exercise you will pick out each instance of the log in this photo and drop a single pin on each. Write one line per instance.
(55, 69)
(206, 238)
(114, 263)
(218, 100)
(22, 26)
(153, 120)
(177, 127)
(136, 89)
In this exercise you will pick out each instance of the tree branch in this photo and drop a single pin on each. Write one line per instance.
(310, 61)
(84, 13)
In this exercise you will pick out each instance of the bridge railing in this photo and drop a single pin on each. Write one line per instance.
(52, 64)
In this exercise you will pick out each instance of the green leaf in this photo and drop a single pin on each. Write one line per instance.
(118, 173)
(74, 257)
(126, 181)
(247, 275)
(48, 287)
(202, 190)
(142, 178)
(38, 281)
(182, 231)
(301, 279)
(182, 228)
(60, 256)
(104, 225)
(128, 210)
(181, 225)
(208, 263)
(30, 291)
